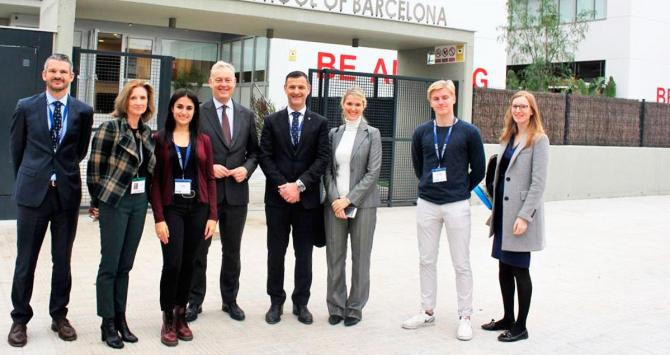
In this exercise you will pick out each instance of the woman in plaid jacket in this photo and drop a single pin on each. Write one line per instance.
(119, 170)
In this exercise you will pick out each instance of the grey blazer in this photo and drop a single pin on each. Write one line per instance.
(525, 181)
(366, 162)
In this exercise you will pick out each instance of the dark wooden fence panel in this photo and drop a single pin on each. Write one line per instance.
(656, 131)
(588, 120)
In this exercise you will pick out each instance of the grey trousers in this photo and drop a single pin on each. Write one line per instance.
(361, 229)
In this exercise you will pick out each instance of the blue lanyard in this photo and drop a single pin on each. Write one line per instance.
(183, 163)
(63, 121)
(440, 156)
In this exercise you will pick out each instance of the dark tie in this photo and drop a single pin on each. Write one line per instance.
(295, 128)
(225, 125)
(56, 125)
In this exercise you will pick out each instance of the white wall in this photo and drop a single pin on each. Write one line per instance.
(481, 16)
(581, 172)
(632, 42)
(289, 55)
(484, 17)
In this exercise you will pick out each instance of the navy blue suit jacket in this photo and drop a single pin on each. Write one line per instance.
(34, 159)
(282, 163)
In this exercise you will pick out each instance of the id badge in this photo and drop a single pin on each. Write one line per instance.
(137, 186)
(439, 175)
(182, 186)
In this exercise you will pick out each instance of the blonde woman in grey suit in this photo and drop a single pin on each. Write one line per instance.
(518, 209)
(351, 188)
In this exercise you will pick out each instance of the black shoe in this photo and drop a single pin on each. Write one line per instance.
(304, 316)
(494, 325)
(349, 321)
(508, 337)
(233, 310)
(17, 335)
(109, 334)
(334, 319)
(122, 327)
(192, 311)
(274, 314)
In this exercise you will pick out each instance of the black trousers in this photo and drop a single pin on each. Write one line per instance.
(280, 221)
(186, 225)
(32, 223)
(231, 226)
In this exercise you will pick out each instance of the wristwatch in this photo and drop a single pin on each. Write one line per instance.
(301, 186)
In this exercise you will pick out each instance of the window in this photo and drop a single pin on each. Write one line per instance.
(586, 70)
(138, 67)
(237, 58)
(566, 11)
(261, 58)
(192, 59)
(247, 59)
(582, 10)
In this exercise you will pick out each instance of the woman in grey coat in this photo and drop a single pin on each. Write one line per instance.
(351, 190)
(518, 209)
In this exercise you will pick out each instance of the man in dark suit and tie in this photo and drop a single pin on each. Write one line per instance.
(50, 133)
(294, 155)
(232, 130)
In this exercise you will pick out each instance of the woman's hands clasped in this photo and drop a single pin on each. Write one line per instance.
(338, 207)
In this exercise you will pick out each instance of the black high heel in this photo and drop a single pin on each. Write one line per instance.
(109, 334)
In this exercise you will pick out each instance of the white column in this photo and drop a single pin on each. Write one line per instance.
(58, 16)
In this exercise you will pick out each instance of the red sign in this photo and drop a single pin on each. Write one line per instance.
(347, 62)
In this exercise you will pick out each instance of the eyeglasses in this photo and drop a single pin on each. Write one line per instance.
(519, 107)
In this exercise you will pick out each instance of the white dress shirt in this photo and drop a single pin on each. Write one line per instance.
(229, 111)
(343, 156)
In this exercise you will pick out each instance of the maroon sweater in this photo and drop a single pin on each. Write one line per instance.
(162, 183)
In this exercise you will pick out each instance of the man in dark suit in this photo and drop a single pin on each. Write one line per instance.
(232, 130)
(294, 155)
(49, 136)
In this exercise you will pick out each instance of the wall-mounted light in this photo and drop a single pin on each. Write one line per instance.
(172, 22)
(354, 42)
(270, 33)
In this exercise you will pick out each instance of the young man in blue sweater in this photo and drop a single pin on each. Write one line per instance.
(448, 158)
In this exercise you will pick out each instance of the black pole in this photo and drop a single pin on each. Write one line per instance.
(76, 52)
(165, 88)
(643, 112)
(566, 126)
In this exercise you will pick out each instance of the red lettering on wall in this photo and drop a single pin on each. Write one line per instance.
(660, 95)
(380, 68)
(395, 67)
(483, 82)
(344, 66)
(325, 60)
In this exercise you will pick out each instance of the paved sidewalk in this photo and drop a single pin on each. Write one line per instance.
(601, 287)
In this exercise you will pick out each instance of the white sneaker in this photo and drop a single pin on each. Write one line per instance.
(420, 320)
(464, 329)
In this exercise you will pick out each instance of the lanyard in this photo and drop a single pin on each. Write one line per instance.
(63, 121)
(440, 156)
(183, 163)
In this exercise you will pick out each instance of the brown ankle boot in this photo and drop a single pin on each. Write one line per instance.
(168, 332)
(183, 331)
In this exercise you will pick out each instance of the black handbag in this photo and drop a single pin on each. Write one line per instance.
(320, 229)
(491, 174)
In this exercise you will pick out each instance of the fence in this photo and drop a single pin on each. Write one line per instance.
(580, 120)
(396, 105)
(101, 76)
